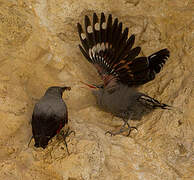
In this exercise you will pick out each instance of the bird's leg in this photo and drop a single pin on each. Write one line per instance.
(130, 128)
(122, 129)
(65, 135)
(30, 141)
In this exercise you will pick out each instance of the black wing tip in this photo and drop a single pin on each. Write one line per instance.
(79, 28)
(132, 38)
(126, 30)
(95, 15)
(120, 25)
(133, 35)
(159, 56)
(167, 52)
(110, 16)
(138, 48)
(87, 23)
(102, 14)
(163, 52)
(78, 25)
(87, 18)
(116, 19)
(102, 18)
(158, 59)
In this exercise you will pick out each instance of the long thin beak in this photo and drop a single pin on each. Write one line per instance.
(90, 85)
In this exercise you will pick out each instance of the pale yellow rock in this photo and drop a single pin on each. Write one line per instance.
(39, 48)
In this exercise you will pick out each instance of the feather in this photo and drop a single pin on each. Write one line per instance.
(110, 50)
(83, 40)
(89, 32)
(95, 28)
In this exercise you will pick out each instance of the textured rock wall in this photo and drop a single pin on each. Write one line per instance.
(39, 48)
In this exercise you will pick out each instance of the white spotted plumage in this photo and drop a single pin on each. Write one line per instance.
(105, 43)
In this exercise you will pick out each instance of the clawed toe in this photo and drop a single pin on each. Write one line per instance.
(111, 133)
(65, 135)
(129, 129)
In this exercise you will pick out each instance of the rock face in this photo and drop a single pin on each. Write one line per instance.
(39, 48)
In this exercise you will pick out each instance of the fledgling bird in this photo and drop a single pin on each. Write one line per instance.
(109, 49)
(50, 115)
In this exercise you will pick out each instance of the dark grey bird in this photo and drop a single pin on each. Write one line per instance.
(50, 115)
(109, 49)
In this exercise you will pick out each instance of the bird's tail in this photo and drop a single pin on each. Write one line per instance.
(153, 103)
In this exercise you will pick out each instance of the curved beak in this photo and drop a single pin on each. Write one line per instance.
(93, 86)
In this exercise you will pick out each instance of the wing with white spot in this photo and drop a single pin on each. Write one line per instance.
(105, 45)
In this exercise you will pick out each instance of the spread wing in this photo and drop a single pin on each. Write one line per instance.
(104, 44)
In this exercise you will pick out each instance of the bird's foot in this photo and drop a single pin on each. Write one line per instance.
(130, 129)
(114, 133)
(123, 129)
(65, 135)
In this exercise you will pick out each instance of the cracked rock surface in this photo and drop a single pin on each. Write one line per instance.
(39, 48)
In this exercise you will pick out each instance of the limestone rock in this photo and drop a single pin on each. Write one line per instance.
(39, 48)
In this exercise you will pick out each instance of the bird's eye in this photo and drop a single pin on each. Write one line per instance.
(101, 86)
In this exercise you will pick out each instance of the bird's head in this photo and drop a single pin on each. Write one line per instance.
(97, 90)
(57, 90)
